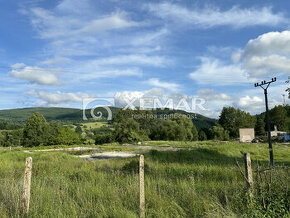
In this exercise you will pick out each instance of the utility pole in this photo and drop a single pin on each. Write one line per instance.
(264, 85)
(288, 89)
(284, 103)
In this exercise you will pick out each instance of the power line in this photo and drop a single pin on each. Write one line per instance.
(267, 84)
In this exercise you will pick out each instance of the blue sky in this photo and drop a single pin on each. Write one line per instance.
(55, 53)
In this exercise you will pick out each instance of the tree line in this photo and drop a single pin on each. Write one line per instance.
(140, 125)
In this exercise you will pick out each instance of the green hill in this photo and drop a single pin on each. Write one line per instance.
(52, 113)
(72, 114)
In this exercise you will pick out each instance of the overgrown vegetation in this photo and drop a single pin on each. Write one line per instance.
(140, 125)
(200, 182)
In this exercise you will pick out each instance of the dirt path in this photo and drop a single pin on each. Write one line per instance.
(147, 147)
(108, 155)
(125, 154)
(65, 149)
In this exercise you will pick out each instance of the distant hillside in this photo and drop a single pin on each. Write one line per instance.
(72, 114)
(52, 113)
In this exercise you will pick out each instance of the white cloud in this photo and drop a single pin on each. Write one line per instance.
(158, 98)
(56, 98)
(52, 25)
(167, 85)
(211, 17)
(82, 28)
(269, 43)
(252, 100)
(272, 65)
(74, 6)
(213, 71)
(111, 73)
(149, 38)
(133, 59)
(250, 104)
(275, 97)
(214, 102)
(267, 55)
(211, 95)
(122, 98)
(55, 60)
(34, 74)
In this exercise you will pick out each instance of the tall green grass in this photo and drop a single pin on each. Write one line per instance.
(200, 182)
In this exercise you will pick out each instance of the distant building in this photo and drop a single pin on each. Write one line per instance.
(276, 132)
(247, 135)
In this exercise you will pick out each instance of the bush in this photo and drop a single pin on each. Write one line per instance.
(104, 138)
(67, 136)
(202, 136)
(219, 133)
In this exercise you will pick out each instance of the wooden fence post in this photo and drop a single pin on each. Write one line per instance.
(248, 170)
(142, 188)
(26, 186)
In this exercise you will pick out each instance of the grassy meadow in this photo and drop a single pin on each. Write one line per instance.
(200, 181)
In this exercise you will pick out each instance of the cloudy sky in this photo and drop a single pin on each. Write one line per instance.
(56, 53)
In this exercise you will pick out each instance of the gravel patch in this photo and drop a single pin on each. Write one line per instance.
(109, 155)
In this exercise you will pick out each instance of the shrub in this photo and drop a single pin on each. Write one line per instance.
(202, 136)
(104, 138)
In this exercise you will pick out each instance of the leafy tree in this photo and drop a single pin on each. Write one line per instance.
(178, 127)
(278, 117)
(131, 126)
(186, 125)
(35, 131)
(78, 129)
(67, 136)
(202, 136)
(208, 132)
(103, 138)
(232, 119)
(167, 129)
(53, 132)
(287, 107)
(128, 130)
(2, 139)
(260, 126)
(219, 133)
(10, 138)
(10, 126)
